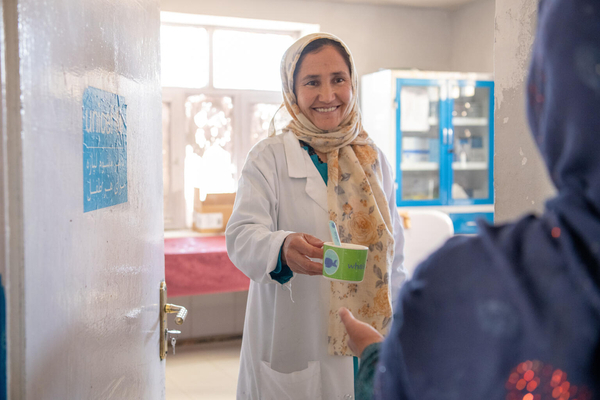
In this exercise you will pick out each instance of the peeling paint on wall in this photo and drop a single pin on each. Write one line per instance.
(520, 177)
(524, 160)
(515, 24)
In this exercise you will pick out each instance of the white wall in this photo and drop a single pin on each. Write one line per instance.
(472, 47)
(378, 36)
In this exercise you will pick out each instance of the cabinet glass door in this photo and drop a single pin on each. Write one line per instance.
(470, 145)
(418, 149)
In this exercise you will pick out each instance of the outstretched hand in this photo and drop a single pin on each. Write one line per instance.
(296, 250)
(361, 334)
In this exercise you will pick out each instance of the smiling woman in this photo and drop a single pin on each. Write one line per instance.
(295, 347)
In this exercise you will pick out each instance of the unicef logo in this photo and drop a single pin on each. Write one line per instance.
(332, 262)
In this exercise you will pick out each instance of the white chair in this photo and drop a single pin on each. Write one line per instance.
(424, 232)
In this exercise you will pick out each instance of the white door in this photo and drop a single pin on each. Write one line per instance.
(83, 239)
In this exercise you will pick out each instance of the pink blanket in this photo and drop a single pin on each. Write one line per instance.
(200, 265)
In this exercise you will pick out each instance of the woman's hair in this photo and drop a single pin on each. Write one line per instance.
(316, 46)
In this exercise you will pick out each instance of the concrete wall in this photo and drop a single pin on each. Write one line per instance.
(379, 36)
(520, 177)
(473, 37)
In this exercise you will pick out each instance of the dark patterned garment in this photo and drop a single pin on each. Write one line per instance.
(514, 313)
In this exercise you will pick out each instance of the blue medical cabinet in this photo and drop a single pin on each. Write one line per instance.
(437, 130)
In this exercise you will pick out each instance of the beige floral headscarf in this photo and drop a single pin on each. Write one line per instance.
(356, 202)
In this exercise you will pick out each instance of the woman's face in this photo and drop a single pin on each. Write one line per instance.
(323, 88)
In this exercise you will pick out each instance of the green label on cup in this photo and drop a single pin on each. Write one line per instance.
(346, 263)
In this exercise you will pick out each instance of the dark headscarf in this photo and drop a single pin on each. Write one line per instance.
(483, 311)
(564, 116)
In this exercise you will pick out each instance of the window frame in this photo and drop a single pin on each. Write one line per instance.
(179, 215)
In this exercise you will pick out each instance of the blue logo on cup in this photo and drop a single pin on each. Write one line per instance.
(332, 262)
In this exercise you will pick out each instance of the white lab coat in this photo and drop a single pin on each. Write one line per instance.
(284, 347)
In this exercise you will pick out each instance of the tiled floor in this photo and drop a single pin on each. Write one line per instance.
(205, 371)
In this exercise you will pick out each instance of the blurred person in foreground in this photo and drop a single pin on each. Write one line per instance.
(514, 313)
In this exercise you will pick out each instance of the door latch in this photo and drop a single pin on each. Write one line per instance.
(165, 309)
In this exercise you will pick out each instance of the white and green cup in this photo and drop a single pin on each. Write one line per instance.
(344, 263)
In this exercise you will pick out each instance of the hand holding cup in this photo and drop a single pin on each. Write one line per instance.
(297, 250)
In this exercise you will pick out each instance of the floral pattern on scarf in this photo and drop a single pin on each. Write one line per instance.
(356, 202)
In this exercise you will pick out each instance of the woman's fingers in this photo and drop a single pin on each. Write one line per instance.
(302, 265)
(314, 268)
(310, 246)
(313, 240)
(297, 247)
(311, 251)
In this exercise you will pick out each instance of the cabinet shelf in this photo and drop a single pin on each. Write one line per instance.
(460, 121)
(431, 121)
(470, 166)
(419, 166)
(436, 142)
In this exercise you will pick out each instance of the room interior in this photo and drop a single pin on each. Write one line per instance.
(454, 36)
(440, 36)
(87, 239)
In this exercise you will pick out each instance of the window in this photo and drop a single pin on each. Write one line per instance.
(221, 88)
(248, 60)
(262, 114)
(209, 144)
(184, 55)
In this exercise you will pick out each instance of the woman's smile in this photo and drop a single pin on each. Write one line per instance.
(326, 110)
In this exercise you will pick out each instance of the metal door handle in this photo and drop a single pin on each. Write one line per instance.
(165, 309)
(180, 310)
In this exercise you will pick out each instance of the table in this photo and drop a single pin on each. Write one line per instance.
(200, 265)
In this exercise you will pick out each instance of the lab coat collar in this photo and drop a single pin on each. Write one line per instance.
(294, 156)
(301, 166)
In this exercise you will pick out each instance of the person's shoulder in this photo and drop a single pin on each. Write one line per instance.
(374, 146)
(266, 148)
(382, 157)
(269, 141)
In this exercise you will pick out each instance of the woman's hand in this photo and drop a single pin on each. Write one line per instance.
(297, 247)
(361, 335)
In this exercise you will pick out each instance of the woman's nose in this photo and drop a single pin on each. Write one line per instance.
(327, 93)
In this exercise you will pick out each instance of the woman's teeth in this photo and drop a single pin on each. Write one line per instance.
(330, 109)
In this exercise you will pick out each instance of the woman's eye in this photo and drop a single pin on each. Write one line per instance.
(311, 83)
(340, 80)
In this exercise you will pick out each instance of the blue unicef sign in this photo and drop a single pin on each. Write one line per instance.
(104, 149)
